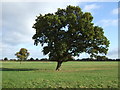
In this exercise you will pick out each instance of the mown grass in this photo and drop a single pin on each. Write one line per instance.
(72, 75)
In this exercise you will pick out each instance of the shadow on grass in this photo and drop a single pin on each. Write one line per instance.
(15, 69)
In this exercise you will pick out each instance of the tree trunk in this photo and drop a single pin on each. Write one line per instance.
(58, 65)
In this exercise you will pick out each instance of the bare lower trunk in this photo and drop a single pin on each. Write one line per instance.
(58, 65)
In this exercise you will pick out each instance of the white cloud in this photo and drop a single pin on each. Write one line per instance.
(107, 22)
(113, 53)
(90, 7)
(17, 21)
(115, 11)
(10, 50)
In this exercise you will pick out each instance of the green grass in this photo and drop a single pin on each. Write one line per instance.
(72, 75)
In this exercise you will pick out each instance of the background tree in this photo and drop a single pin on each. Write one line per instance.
(31, 59)
(5, 59)
(37, 59)
(102, 58)
(22, 54)
(69, 32)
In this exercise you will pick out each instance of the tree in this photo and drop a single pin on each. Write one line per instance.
(31, 59)
(5, 59)
(44, 59)
(69, 32)
(37, 59)
(102, 58)
(22, 54)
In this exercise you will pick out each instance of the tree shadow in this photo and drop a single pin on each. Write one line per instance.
(17, 69)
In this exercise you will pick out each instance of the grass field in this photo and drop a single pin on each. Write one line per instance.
(72, 75)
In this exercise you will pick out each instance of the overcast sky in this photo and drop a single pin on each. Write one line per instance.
(19, 17)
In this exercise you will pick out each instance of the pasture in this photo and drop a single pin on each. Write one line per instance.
(72, 75)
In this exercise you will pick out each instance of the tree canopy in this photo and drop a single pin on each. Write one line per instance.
(22, 54)
(69, 32)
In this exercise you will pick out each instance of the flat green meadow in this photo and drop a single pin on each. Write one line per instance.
(72, 74)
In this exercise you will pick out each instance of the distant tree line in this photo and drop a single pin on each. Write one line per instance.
(72, 59)
(89, 59)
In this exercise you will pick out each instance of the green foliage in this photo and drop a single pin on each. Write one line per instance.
(5, 59)
(69, 32)
(102, 58)
(22, 54)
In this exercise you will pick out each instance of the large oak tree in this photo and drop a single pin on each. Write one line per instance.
(69, 32)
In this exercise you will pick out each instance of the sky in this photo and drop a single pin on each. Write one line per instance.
(19, 17)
